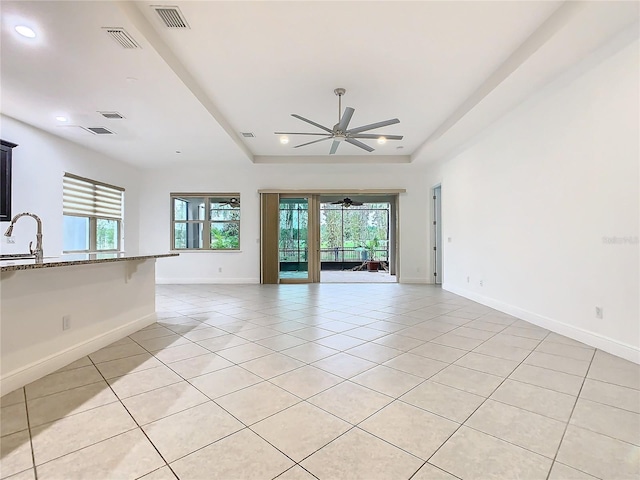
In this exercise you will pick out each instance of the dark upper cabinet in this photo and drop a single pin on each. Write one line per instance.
(5, 180)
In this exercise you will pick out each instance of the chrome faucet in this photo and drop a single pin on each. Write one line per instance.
(37, 252)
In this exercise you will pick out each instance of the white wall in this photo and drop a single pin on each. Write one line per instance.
(530, 205)
(247, 179)
(33, 303)
(39, 163)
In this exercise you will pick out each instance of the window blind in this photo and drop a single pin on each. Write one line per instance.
(88, 198)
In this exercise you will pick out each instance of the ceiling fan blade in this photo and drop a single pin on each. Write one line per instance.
(301, 133)
(309, 143)
(376, 136)
(312, 123)
(334, 147)
(356, 204)
(357, 143)
(339, 202)
(371, 126)
(346, 118)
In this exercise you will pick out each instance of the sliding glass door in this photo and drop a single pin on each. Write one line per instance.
(297, 239)
(293, 244)
(290, 224)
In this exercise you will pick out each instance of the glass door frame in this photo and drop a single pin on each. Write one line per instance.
(313, 239)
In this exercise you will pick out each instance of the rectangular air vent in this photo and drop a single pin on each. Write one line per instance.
(171, 16)
(121, 36)
(99, 130)
(247, 134)
(112, 115)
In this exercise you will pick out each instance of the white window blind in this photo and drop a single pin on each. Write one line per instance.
(89, 198)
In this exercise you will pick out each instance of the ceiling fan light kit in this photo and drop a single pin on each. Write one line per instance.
(341, 132)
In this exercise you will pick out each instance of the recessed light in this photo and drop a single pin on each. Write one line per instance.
(382, 140)
(284, 140)
(25, 31)
(60, 118)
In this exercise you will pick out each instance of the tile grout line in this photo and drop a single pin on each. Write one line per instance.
(33, 454)
(568, 422)
(353, 426)
(294, 466)
(245, 426)
(421, 383)
(493, 399)
(434, 466)
(62, 391)
(369, 416)
(477, 408)
(82, 448)
(135, 421)
(291, 406)
(344, 380)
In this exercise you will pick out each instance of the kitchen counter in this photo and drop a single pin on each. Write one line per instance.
(57, 311)
(17, 263)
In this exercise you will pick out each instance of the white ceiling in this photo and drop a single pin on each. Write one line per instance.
(445, 69)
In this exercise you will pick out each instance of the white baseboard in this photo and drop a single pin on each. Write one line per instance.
(29, 373)
(206, 281)
(414, 280)
(609, 345)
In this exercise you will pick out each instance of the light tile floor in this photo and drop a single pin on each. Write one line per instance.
(349, 276)
(331, 382)
(346, 276)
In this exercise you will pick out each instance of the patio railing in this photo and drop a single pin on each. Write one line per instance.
(334, 254)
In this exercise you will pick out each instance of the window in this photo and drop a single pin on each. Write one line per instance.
(92, 215)
(208, 221)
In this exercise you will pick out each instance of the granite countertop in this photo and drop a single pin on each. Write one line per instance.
(11, 264)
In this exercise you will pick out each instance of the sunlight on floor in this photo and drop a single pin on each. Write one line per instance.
(348, 276)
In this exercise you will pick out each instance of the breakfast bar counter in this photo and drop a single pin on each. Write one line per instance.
(59, 309)
(20, 262)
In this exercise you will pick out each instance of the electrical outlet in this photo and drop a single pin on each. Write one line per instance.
(219, 269)
(599, 313)
(11, 240)
(467, 279)
(449, 239)
(66, 322)
(482, 283)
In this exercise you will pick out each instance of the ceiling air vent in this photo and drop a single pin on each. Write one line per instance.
(121, 36)
(171, 16)
(99, 130)
(247, 134)
(111, 115)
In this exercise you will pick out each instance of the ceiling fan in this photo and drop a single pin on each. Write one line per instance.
(233, 202)
(346, 202)
(340, 131)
